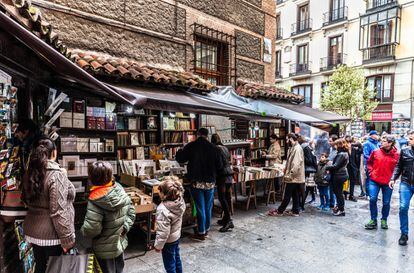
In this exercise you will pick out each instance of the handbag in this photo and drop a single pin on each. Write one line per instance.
(76, 263)
(346, 186)
(12, 207)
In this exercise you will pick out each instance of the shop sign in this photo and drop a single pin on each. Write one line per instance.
(381, 116)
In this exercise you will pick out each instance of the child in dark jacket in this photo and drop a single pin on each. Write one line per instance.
(322, 181)
(109, 216)
(169, 220)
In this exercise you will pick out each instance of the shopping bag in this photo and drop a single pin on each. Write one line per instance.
(12, 206)
(346, 186)
(73, 264)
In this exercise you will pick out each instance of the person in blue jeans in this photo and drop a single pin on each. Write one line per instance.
(169, 221)
(368, 147)
(322, 181)
(332, 154)
(204, 161)
(381, 165)
(405, 169)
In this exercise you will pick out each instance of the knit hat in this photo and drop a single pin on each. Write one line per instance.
(373, 132)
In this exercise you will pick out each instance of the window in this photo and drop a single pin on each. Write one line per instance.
(278, 27)
(383, 86)
(302, 58)
(306, 91)
(214, 55)
(303, 17)
(278, 64)
(380, 28)
(335, 51)
(337, 10)
(324, 88)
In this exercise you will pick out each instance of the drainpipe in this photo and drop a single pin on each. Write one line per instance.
(411, 94)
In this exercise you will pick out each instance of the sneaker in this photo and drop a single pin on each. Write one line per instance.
(311, 201)
(403, 240)
(291, 213)
(326, 209)
(371, 225)
(339, 213)
(320, 207)
(384, 224)
(198, 237)
(227, 227)
(362, 195)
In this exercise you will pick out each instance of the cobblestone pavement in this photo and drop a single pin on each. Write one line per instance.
(313, 242)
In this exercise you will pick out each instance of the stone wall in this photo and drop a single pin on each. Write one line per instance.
(255, 2)
(233, 11)
(248, 45)
(89, 35)
(250, 71)
(222, 125)
(155, 15)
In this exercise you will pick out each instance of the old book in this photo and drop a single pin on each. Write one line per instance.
(82, 145)
(132, 124)
(93, 145)
(109, 145)
(134, 140)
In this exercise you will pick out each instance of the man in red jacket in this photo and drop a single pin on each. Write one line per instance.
(380, 167)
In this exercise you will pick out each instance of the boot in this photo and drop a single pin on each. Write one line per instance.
(403, 240)
(227, 226)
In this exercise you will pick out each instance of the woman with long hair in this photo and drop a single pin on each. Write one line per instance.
(224, 182)
(49, 224)
(339, 174)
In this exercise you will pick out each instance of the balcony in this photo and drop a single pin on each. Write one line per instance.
(331, 62)
(301, 27)
(278, 74)
(279, 33)
(300, 69)
(378, 53)
(377, 4)
(335, 16)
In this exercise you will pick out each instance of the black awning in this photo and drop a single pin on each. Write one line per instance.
(59, 63)
(315, 113)
(179, 101)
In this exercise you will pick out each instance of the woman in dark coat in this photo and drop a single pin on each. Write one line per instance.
(224, 182)
(339, 174)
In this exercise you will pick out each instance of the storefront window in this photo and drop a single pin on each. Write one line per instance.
(306, 91)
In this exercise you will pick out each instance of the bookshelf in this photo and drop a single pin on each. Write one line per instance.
(259, 139)
(177, 129)
(279, 129)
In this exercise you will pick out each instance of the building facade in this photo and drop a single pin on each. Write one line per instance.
(371, 34)
(198, 36)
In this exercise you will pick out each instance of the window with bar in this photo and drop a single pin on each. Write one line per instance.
(303, 17)
(214, 55)
(383, 86)
(306, 91)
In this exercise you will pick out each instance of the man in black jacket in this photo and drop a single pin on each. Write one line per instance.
(204, 162)
(405, 169)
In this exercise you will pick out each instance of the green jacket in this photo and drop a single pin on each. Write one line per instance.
(110, 215)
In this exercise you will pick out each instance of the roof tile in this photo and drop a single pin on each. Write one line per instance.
(256, 90)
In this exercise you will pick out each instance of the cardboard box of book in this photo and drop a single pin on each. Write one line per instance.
(142, 202)
(129, 180)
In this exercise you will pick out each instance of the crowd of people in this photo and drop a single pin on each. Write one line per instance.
(335, 165)
(329, 165)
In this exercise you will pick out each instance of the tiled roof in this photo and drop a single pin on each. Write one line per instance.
(256, 90)
(98, 63)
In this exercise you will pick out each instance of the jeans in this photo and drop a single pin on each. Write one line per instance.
(291, 191)
(374, 189)
(171, 258)
(406, 192)
(204, 205)
(324, 196)
(338, 187)
(42, 254)
(115, 265)
(332, 197)
(224, 196)
(367, 182)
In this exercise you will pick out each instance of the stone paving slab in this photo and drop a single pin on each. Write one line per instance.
(314, 242)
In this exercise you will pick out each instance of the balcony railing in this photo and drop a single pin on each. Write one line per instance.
(278, 73)
(300, 69)
(374, 4)
(378, 53)
(301, 26)
(334, 16)
(330, 62)
(279, 33)
(279, 1)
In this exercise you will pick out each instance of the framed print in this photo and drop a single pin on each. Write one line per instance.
(71, 164)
